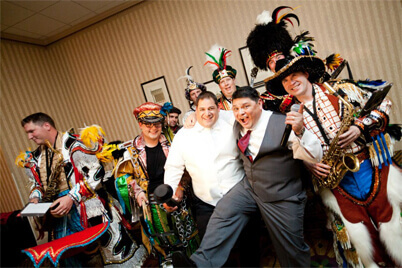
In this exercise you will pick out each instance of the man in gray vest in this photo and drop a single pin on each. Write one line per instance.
(273, 184)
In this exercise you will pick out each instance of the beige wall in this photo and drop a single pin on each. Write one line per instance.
(94, 76)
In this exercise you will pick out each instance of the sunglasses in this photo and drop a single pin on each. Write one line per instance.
(150, 125)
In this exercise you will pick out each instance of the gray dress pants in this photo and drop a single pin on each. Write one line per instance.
(283, 220)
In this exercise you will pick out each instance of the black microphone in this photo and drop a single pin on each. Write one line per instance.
(295, 108)
(163, 194)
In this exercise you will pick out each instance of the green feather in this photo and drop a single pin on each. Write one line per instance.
(212, 57)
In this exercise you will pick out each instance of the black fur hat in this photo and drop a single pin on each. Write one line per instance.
(270, 36)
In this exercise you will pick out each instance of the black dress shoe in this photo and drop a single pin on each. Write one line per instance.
(180, 259)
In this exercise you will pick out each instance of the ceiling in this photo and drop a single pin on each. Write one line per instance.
(44, 22)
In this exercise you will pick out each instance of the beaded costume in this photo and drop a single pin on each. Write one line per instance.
(81, 180)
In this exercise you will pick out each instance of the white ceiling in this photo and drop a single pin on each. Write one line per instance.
(44, 22)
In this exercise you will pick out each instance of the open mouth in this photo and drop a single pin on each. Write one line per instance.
(244, 120)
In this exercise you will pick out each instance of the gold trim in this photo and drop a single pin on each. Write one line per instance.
(286, 67)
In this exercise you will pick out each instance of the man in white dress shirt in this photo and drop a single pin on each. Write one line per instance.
(209, 153)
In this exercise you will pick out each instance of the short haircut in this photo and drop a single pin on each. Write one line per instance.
(246, 92)
(38, 119)
(206, 95)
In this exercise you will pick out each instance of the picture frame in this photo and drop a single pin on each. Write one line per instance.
(248, 65)
(156, 91)
(213, 87)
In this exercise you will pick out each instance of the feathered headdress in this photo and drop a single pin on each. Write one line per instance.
(333, 61)
(166, 108)
(270, 37)
(303, 45)
(92, 135)
(191, 84)
(216, 58)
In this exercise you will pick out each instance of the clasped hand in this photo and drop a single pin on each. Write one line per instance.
(295, 119)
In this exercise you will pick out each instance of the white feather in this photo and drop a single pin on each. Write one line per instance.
(264, 18)
(187, 76)
(215, 51)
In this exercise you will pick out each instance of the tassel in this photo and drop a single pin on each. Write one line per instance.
(83, 218)
(384, 159)
(373, 155)
(341, 234)
(377, 153)
(351, 255)
(385, 142)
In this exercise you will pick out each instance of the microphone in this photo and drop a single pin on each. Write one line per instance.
(163, 194)
(295, 108)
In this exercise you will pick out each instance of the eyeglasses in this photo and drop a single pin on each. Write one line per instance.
(150, 125)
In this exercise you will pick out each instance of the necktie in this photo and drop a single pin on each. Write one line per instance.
(243, 144)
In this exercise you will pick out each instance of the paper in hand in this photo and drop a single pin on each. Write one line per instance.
(38, 209)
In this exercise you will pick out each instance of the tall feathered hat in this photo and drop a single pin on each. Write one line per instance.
(270, 37)
(149, 112)
(216, 58)
(313, 65)
(191, 84)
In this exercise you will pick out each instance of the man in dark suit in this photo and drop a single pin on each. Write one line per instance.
(273, 185)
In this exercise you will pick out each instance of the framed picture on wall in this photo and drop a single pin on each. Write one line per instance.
(248, 65)
(213, 87)
(156, 91)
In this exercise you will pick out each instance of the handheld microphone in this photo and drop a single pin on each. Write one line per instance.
(163, 194)
(295, 108)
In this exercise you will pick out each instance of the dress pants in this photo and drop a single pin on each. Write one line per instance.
(283, 220)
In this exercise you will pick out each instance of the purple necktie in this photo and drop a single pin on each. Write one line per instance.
(243, 144)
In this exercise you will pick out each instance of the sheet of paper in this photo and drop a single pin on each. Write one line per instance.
(33, 209)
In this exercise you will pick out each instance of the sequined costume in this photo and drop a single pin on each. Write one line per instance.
(160, 230)
(81, 180)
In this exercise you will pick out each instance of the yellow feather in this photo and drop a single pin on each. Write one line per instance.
(279, 19)
(23, 159)
(106, 154)
(92, 134)
(20, 160)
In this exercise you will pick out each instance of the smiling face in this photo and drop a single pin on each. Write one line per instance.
(247, 112)
(297, 84)
(39, 133)
(227, 86)
(207, 112)
(151, 131)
